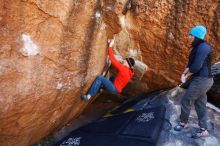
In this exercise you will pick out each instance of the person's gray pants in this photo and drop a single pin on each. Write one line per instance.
(196, 93)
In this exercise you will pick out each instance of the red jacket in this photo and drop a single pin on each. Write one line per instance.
(124, 73)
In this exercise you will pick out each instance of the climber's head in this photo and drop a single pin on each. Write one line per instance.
(198, 32)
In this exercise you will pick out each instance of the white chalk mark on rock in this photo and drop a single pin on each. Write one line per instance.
(98, 15)
(29, 48)
(59, 86)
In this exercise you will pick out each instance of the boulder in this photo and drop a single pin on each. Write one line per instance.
(214, 92)
(51, 52)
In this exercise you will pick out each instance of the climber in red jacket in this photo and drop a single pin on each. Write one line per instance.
(124, 74)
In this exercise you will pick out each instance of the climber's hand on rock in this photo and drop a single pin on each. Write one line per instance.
(183, 78)
(110, 42)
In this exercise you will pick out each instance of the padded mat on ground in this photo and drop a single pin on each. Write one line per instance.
(138, 128)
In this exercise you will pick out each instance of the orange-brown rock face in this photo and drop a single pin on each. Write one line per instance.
(51, 51)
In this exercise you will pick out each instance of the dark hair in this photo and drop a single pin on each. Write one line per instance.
(196, 42)
(130, 62)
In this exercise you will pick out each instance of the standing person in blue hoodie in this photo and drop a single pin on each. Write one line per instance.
(199, 69)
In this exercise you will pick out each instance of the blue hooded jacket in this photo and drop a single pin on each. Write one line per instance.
(200, 60)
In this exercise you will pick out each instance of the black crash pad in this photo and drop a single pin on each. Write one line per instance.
(137, 128)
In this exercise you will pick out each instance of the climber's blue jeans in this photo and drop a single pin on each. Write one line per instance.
(196, 93)
(102, 81)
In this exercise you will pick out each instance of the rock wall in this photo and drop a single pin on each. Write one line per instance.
(51, 51)
(214, 92)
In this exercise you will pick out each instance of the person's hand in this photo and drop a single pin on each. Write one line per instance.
(111, 42)
(183, 78)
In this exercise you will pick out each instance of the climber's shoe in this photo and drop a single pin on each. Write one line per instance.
(202, 132)
(86, 97)
(180, 126)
